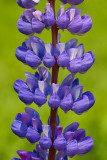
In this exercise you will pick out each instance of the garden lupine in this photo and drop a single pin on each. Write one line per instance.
(53, 143)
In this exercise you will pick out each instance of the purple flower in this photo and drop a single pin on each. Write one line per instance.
(72, 141)
(27, 125)
(27, 3)
(72, 98)
(45, 141)
(33, 51)
(62, 19)
(36, 88)
(54, 100)
(48, 59)
(72, 57)
(24, 23)
(49, 19)
(72, 2)
(72, 21)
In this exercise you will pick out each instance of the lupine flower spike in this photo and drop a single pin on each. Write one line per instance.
(52, 142)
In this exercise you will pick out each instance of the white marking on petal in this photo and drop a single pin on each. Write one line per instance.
(36, 1)
(72, 14)
(55, 87)
(48, 7)
(48, 48)
(41, 86)
(72, 53)
(62, 7)
(38, 15)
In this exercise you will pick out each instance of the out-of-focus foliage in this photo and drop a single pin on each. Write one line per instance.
(95, 80)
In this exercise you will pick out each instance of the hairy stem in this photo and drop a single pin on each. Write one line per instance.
(55, 69)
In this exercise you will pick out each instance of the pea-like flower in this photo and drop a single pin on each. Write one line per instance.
(72, 141)
(27, 3)
(34, 21)
(33, 51)
(35, 89)
(72, 2)
(73, 57)
(69, 96)
(72, 21)
(28, 125)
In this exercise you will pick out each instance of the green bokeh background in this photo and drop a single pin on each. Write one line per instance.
(95, 80)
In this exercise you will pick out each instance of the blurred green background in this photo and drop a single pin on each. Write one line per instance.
(95, 80)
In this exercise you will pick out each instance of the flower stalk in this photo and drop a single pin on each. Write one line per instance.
(55, 69)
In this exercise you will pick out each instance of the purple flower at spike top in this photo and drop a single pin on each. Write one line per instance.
(52, 142)
(72, 21)
(34, 21)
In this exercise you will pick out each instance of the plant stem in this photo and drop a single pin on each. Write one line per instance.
(55, 69)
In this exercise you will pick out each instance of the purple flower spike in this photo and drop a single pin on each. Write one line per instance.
(75, 25)
(85, 145)
(66, 103)
(84, 103)
(60, 143)
(37, 25)
(26, 96)
(19, 128)
(63, 59)
(18, 84)
(48, 60)
(24, 26)
(62, 19)
(49, 19)
(45, 142)
(27, 3)
(72, 148)
(21, 53)
(87, 24)
(32, 135)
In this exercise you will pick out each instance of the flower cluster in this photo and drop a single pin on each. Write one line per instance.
(72, 21)
(33, 51)
(34, 21)
(41, 88)
(69, 143)
(68, 95)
